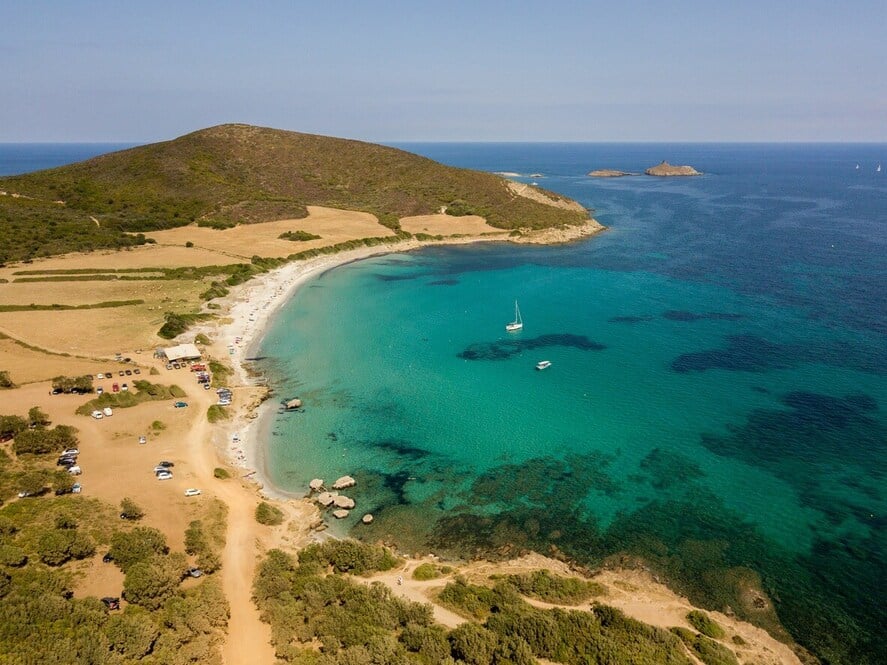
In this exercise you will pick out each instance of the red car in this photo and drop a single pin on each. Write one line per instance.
(116, 388)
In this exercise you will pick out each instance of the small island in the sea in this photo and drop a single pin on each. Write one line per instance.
(609, 173)
(664, 169)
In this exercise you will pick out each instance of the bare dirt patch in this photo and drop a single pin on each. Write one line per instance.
(446, 225)
(247, 240)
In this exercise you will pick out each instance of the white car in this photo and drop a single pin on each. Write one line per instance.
(77, 488)
(191, 491)
(99, 390)
(97, 415)
(143, 439)
(107, 411)
(99, 376)
(75, 470)
(70, 451)
(165, 475)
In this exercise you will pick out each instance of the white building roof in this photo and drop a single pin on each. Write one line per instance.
(181, 352)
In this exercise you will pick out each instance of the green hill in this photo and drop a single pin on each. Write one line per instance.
(235, 174)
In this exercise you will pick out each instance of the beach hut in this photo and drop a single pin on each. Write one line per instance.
(180, 352)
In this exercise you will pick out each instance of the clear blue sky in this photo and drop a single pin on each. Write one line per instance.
(447, 71)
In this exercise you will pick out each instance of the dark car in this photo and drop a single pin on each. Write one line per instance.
(121, 373)
(111, 603)
(64, 490)
(129, 372)
(107, 558)
(67, 462)
(165, 464)
(137, 371)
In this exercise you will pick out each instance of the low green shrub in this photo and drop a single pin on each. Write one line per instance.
(551, 588)
(426, 571)
(220, 473)
(268, 515)
(298, 236)
(705, 624)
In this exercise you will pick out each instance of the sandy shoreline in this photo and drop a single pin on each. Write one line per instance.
(250, 310)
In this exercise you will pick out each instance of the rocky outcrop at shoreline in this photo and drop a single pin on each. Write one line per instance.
(664, 169)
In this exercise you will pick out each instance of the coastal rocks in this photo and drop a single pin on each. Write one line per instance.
(344, 482)
(293, 404)
(367, 519)
(325, 499)
(342, 501)
(316, 484)
(609, 173)
(340, 514)
(664, 169)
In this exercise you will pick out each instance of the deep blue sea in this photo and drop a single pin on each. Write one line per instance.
(716, 404)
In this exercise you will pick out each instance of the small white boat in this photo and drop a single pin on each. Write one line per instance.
(518, 323)
(857, 167)
(878, 170)
(543, 364)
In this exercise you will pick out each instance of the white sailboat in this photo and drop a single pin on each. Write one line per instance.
(878, 170)
(857, 167)
(543, 364)
(518, 323)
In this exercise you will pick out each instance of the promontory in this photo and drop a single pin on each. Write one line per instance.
(664, 169)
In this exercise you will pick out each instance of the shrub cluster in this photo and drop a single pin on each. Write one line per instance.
(70, 384)
(143, 391)
(555, 589)
(298, 236)
(41, 441)
(268, 515)
(5, 380)
(705, 624)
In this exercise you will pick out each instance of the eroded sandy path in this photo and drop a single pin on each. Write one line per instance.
(249, 639)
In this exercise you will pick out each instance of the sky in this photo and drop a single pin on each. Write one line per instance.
(446, 71)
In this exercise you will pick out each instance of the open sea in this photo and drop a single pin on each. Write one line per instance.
(716, 403)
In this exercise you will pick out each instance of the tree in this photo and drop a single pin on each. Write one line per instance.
(11, 425)
(150, 583)
(57, 546)
(132, 634)
(473, 644)
(140, 544)
(130, 510)
(10, 555)
(37, 417)
(32, 483)
(5, 380)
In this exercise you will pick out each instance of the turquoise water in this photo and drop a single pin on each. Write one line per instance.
(716, 401)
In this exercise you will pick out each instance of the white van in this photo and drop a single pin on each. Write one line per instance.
(75, 470)
(107, 411)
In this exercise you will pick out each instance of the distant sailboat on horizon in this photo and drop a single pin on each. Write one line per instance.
(518, 323)
(857, 167)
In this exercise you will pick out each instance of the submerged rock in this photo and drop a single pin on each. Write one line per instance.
(366, 519)
(340, 514)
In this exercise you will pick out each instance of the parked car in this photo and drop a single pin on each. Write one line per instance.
(124, 387)
(67, 462)
(107, 558)
(111, 603)
(55, 391)
(143, 439)
(165, 475)
(116, 387)
(76, 488)
(23, 494)
(107, 411)
(70, 451)
(97, 415)
(75, 470)
(129, 372)
(99, 376)
(168, 365)
(165, 464)
(99, 390)
(137, 371)
(192, 491)
(180, 405)
(121, 373)
(161, 469)
(194, 572)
